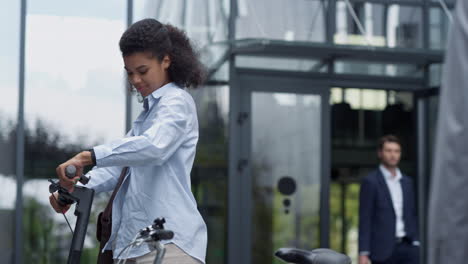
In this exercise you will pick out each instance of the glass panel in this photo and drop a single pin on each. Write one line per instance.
(435, 74)
(9, 66)
(378, 69)
(75, 99)
(384, 25)
(285, 64)
(364, 115)
(366, 99)
(344, 219)
(447, 2)
(286, 151)
(336, 95)
(222, 73)
(209, 173)
(205, 22)
(280, 19)
(439, 24)
(358, 118)
(370, 17)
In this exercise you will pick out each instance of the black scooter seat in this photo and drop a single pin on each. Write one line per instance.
(316, 256)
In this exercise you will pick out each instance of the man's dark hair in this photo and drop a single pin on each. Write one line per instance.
(388, 139)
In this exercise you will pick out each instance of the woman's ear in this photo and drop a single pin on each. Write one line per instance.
(166, 62)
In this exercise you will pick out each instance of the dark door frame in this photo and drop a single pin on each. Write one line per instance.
(239, 211)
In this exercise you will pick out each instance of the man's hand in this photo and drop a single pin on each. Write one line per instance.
(79, 161)
(53, 198)
(363, 259)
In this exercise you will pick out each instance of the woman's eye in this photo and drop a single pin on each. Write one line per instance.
(129, 73)
(143, 72)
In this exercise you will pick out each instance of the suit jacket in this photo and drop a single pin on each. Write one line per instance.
(377, 219)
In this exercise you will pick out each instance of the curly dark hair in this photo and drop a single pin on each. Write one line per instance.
(150, 35)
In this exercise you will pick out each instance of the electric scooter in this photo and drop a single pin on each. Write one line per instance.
(155, 233)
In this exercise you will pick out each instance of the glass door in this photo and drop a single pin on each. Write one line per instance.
(286, 150)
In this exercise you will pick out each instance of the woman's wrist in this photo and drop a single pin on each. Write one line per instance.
(93, 156)
(85, 158)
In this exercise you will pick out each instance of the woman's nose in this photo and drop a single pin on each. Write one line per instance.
(135, 79)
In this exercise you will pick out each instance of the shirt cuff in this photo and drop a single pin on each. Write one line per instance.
(364, 253)
(93, 156)
(101, 152)
(416, 243)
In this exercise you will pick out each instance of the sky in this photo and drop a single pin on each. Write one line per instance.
(74, 78)
(75, 75)
(74, 71)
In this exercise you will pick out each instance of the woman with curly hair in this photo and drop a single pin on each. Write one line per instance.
(149, 169)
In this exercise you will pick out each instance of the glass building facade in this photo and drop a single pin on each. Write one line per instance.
(296, 97)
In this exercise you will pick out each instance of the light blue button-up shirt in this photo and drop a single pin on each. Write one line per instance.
(159, 151)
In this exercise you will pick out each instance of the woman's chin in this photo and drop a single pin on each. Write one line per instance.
(144, 92)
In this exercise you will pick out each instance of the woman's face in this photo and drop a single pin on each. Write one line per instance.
(145, 72)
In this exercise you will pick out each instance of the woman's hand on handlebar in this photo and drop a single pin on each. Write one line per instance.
(79, 161)
(53, 199)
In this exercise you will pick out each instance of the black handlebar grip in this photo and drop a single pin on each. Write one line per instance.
(162, 234)
(70, 171)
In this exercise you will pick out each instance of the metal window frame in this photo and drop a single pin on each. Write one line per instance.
(420, 3)
(19, 234)
(329, 53)
(128, 95)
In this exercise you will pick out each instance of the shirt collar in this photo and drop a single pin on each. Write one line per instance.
(158, 93)
(388, 175)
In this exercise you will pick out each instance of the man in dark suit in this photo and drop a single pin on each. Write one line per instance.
(388, 229)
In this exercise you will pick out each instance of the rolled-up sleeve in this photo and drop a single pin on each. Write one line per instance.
(165, 133)
(103, 179)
